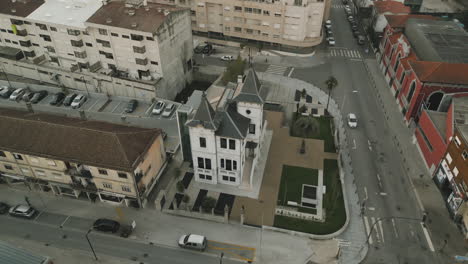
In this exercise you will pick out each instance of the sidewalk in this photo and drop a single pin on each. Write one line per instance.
(162, 229)
(427, 194)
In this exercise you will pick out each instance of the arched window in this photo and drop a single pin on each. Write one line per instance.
(411, 91)
(397, 62)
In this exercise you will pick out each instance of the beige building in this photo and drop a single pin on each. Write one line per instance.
(138, 49)
(81, 159)
(286, 23)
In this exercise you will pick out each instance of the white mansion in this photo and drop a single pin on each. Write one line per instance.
(225, 142)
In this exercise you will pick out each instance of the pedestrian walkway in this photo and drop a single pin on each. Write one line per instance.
(343, 52)
(276, 69)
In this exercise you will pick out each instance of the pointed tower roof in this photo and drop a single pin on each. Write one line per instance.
(251, 89)
(205, 115)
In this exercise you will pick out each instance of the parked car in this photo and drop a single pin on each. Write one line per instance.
(27, 96)
(350, 18)
(16, 95)
(158, 107)
(69, 99)
(193, 241)
(78, 101)
(38, 96)
(168, 110)
(4, 208)
(329, 31)
(131, 106)
(6, 92)
(328, 23)
(361, 39)
(354, 27)
(57, 98)
(352, 120)
(227, 58)
(356, 33)
(22, 210)
(348, 12)
(106, 225)
(331, 41)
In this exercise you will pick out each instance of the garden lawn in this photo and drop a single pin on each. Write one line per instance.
(333, 205)
(292, 179)
(325, 132)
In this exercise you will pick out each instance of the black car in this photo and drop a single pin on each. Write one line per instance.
(5, 92)
(4, 208)
(38, 96)
(131, 106)
(57, 98)
(69, 99)
(356, 33)
(354, 27)
(106, 225)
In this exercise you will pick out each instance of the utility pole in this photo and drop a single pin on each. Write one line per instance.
(90, 245)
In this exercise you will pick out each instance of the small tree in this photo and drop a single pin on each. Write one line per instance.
(186, 199)
(208, 204)
(331, 83)
(306, 125)
(234, 69)
(180, 186)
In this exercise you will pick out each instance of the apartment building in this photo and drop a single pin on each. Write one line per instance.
(81, 159)
(225, 143)
(291, 24)
(135, 49)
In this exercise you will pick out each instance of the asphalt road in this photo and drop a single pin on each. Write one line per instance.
(382, 185)
(104, 244)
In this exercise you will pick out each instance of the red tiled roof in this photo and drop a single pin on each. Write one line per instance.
(391, 7)
(394, 37)
(399, 21)
(441, 72)
(405, 61)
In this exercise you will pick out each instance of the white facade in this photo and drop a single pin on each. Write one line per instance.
(62, 47)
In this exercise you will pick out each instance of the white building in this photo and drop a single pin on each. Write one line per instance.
(225, 143)
(117, 48)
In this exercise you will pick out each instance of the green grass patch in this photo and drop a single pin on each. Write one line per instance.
(292, 179)
(333, 204)
(324, 131)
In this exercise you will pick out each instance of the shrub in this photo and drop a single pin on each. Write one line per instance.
(234, 69)
(208, 204)
(186, 199)
(180, 186)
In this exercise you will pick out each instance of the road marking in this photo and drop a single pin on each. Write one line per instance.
(366, 224)
(147, 112)
(289, 75)
(394, 227)
(64, 221)
(371, 208)
(365, 192)
(428, 238)
(381, 230)
(35, 219)
(354, 143)
(355, 91)
(116, 107)
(95, 102)
(344, 100)
(383, 193)
(376, 231)
(344, 243)
(356, 60)
(370, 146)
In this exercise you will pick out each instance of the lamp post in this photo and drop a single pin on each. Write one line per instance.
(90, 245)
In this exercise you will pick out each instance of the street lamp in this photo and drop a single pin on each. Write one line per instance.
(89, 242)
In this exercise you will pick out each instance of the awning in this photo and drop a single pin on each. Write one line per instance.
(16, 177)
(112, 194)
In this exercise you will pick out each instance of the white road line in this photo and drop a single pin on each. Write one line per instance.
(365, 192)
(366, 223)
(116, 106)
(35, 219)
(370, 146)
(147, 112)
(383, 193)
(394, 227)
(289, 75)
(342, 53)
(356, 60)
(371, 208)
(375, 228)
(381, 230)
(344, 100)
(380, 182)
(428, 238)
(354, 143)
(65, 221)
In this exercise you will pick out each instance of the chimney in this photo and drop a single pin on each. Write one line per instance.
(13, 10)
(104, 2)
(131, 12)
(166, 12)
(134, 24)
(145, 2)
(109, 20)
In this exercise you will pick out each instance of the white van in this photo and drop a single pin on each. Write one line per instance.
(192, 241)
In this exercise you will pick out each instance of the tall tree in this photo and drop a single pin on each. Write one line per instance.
(331, 83)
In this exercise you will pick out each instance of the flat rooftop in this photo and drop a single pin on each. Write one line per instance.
(71, 13)
(438, 41)
(21, 8)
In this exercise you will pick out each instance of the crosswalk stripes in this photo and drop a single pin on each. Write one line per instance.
(276, 69)
(354, 54)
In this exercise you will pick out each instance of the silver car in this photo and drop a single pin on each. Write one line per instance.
(17, 94)
(168, 110)
(22, 210)
(158, 108)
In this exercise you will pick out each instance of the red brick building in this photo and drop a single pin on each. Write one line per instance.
(423, 61)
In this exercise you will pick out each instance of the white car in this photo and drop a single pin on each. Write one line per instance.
(22, 210)
(331, 41)
(158, 108)
(17, 94)
(78, 101)
(352, 120)
(168, 110)
(328, 24)
(193, 241)
(227, 58)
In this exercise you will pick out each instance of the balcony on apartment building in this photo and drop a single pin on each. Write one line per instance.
(88, 187)
(79, 172)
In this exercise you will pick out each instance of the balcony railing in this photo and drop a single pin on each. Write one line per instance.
(90, 187)
(79, 173)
